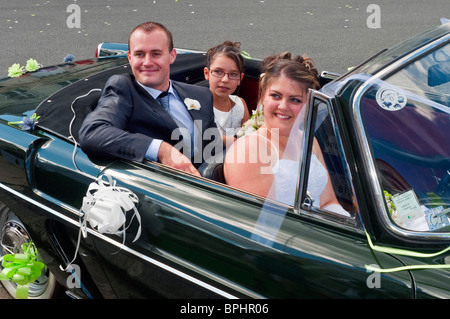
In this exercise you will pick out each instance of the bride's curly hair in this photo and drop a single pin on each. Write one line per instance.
(299, 68)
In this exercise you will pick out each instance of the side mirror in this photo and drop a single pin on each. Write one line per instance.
(108, 50)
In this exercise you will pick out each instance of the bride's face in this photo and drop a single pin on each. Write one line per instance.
(283, 101)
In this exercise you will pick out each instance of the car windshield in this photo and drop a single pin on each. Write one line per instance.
(406, 117)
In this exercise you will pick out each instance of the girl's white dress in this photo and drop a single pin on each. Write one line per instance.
(229, 123)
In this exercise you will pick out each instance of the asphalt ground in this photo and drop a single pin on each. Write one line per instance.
(336, 34)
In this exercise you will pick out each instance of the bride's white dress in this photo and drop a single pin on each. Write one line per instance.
(286, 177)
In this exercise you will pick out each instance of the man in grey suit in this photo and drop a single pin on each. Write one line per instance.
(132, 121)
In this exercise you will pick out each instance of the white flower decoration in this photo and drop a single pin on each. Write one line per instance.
(253, 123)
(192, 104)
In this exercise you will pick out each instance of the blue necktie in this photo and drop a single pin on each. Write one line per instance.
(163, 99)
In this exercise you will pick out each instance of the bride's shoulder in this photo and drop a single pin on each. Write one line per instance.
(243, 143)
(253, 147)
(252, 140)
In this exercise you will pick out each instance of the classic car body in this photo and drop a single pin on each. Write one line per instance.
(382, 127)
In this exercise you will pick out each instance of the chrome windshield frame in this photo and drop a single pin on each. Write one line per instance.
(367, 154)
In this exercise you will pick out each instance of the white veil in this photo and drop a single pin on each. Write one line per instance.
(271, 216)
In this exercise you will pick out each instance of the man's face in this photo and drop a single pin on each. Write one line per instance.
(150, 58)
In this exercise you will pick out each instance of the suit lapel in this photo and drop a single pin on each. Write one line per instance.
(154, 106)
(195, 114)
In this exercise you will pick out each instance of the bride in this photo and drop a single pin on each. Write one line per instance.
(266, 162)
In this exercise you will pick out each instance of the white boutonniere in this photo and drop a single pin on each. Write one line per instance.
(192, 104)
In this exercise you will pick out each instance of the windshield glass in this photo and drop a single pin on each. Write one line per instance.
(407, 121)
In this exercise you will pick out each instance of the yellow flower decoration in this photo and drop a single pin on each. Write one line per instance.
(15, 70)
(32, 65)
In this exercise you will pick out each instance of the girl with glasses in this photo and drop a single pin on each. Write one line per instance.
(224, 70)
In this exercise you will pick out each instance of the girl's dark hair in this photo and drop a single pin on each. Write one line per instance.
(229, 49)
(300, 69)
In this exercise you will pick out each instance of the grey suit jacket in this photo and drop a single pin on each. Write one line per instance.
(127, 119)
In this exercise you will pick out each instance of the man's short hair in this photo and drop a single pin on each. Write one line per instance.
(150, 26)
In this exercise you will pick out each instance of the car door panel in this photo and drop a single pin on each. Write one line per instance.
(207, 231)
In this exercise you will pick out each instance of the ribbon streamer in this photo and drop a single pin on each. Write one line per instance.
(22, 269)
(403, 252)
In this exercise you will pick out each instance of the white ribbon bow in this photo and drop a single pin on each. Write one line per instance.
(105, 206)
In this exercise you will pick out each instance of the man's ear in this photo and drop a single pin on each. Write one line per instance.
(173, 55)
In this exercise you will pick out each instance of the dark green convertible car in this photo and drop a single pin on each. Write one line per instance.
(384, 131)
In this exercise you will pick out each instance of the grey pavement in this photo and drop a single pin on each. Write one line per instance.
(334, 33)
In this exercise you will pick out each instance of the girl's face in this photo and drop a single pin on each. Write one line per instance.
(223, 86)
(283, 100)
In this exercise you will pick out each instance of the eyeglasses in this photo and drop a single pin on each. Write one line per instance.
(221, 74)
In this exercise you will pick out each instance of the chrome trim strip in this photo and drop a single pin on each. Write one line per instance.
(301, 188)
(368, 156)
(131, 251)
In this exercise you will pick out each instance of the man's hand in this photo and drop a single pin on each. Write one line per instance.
(170, 156)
